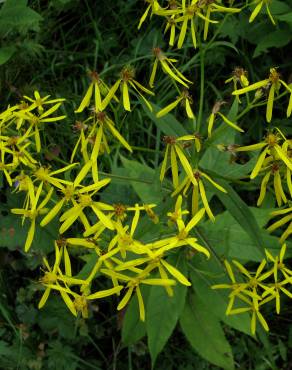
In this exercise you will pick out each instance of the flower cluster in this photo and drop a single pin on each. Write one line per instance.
(274, 161)
(123, 261)
(250, 291)
(184, 17)
(268, 87)
(106, 232)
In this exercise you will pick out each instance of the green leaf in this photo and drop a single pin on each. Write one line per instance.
(231, 240)
(56, 316)
(279, 7)
(242, 214)
(168, 124)
(13, 234)
(277, 39)
(163, 313)
(145, 181)
(6, 53)
(15, 14)
(231, 28)
(119, 188)
(133, 328)
(205, 334)
(285, 17)
(90, 261)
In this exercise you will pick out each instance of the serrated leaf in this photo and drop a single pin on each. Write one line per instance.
(277, 39)
(205, 334)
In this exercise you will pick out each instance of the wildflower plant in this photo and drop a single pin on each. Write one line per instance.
(125, 252)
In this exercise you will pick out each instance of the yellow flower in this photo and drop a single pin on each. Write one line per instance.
(133, 285)
(253, 291)
(211, 7)
(54, 275)
(255, 313)
(273, 83)
(274, 293)
(271, 147)
(182, 237)
(36, 121)
(22, 157)
(167, 67)
(79, 301)
(124, 240)
(255, 281)
(50, 276)
(173, 146)
(84, 201)
(198, 190)
(276, 169)
(153, 262)
(153, 6)
(39, 102)
(239, 75)
(189, 13)
(33, 213)
(44, 176)
(119, 213)
(69, 193)
(184, 99)
(24, 183)
(279, 264)
(7, 169)
(212, 117)
(102, 126)
(124, 82)
(284, 220)
(96, 88)
(257, 9)
(98, 139)
(238, 288)
(171, 25)
(178, 212)
(17, 147)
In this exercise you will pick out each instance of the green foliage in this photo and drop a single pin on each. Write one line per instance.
(51, 45)
(205, 333)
